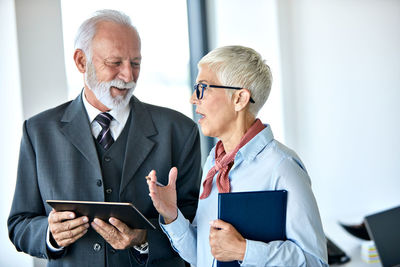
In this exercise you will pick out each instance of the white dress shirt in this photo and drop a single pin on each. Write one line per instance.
(117, 124)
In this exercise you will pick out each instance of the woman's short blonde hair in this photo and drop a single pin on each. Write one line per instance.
(241, 66)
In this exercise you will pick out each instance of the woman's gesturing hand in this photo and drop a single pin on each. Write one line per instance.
(164, 197)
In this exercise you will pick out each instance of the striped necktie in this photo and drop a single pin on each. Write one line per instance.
(105, 138)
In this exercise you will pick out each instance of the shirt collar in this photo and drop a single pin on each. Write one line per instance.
(250, 150)
(255, 145)
(120, 115)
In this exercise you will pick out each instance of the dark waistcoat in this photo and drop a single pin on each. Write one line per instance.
(112, 162)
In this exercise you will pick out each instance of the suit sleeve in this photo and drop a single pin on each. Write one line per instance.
(189, 175)
(27, 222)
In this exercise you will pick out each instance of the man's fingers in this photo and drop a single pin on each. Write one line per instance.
(59, 227)
(59, 216)
(110, 233)
(104, 229)
(100, 223)
(122, 227)
(69, 241)
(66, 235)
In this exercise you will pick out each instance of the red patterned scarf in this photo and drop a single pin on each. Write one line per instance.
(224, 162)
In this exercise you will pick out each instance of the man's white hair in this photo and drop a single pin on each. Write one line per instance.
(241, 66)
(87, 30)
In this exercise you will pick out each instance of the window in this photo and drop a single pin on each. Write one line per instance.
(257, 27)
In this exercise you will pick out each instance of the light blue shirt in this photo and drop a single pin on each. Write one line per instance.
(262, 164)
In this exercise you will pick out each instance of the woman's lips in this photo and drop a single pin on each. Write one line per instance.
(202, 116)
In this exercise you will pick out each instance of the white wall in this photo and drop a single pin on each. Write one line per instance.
(343, 65)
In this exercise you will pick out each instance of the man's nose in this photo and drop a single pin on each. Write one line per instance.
(125, 72)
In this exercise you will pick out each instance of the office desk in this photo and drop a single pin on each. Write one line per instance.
(349, 244)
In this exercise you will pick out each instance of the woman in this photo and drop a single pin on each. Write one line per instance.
(232, 85)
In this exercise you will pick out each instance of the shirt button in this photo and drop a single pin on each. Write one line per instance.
(109, 191)
(99, 182)
(107, 159)
(96, 247)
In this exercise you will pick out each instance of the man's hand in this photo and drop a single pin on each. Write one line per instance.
(65, 229)
(118, 234)
(164, 197)
(226, 243)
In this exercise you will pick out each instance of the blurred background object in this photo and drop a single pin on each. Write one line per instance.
(357, 230)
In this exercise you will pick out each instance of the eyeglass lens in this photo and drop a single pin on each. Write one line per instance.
(199, 93)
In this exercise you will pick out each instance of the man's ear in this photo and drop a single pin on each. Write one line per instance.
(80, 60)
(242, 99)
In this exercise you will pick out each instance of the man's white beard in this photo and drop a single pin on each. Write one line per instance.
(102, 90)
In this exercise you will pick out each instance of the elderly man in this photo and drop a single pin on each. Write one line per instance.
(99, 147)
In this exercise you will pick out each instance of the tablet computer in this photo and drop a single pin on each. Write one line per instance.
(126, 212)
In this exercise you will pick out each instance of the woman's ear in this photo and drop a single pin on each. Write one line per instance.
(242, 99)
(80, 60)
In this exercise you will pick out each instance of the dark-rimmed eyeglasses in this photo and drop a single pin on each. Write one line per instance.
(200, 87)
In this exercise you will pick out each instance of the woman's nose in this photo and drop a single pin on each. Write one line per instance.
(193, 98)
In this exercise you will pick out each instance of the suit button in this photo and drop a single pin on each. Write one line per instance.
(109, 191)
(107, 159)
(99, 182)
(96, 247)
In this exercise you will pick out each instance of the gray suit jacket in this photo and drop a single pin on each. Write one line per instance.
(58, 160)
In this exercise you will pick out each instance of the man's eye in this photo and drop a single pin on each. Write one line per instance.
(135, 64)
(111, 63)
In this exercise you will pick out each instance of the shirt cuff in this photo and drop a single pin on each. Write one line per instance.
(254, 253)
(49, 245)
(176, 229)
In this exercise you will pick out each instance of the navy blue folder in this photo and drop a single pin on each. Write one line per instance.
(258, 215)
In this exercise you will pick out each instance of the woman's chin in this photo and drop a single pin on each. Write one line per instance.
(204, 130)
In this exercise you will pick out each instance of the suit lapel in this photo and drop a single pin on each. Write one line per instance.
(139, 145)
(77, 130)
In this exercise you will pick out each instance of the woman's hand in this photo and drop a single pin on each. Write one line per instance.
(226, 243)
(164, 197)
